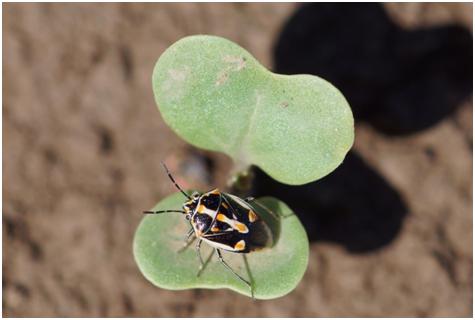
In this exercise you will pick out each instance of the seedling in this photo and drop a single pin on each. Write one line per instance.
(216, 96)
(225, 222)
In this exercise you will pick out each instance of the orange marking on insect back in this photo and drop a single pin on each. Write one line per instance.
(221, 217)
(215, 229)
(215, 191)
(224, 205)
(240, 245)
(201, 208)
(241, 227)
(252, 216)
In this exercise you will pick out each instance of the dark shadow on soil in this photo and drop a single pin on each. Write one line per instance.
(352, 206)
(399, 81)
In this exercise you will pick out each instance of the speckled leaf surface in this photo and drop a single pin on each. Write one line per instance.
(216, 95)
(274, 271)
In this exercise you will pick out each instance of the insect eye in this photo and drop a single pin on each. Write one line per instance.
(195, 195)
(187, 217)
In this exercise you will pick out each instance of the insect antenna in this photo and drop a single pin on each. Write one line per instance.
(174, 182)
(162, 211)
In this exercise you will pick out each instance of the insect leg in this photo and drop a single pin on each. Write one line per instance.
(220, 257)
(206, 263)
(187, 242)
(198, 252)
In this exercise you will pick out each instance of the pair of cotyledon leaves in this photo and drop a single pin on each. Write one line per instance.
(215, 95)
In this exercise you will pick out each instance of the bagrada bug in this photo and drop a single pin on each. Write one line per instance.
(224, 221)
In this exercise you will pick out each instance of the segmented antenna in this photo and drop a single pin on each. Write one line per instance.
(163, 211)
(173, 180)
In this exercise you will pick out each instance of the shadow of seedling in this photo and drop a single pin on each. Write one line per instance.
(352, 206)
(398, 81)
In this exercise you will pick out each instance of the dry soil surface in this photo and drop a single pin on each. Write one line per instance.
(82, 141)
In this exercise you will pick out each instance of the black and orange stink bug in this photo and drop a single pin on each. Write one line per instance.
(224, 221)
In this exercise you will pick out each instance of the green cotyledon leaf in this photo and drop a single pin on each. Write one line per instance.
(273, 271)
(216, 95)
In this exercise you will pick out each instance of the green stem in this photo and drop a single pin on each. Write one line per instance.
(240, 182)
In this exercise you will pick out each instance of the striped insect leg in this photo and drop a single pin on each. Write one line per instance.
(220, 257)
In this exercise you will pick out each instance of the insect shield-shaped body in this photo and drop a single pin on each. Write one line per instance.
(225, 222)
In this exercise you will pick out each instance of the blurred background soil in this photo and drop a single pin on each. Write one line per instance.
(390, 230)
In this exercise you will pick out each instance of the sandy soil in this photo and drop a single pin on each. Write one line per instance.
(390, 230)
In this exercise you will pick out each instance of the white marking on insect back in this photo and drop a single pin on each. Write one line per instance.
(236, 225)
(202, 209)
(218, 245)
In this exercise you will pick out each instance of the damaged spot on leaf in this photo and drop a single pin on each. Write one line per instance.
(238, 63)
(222, 78)
(213, 106)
